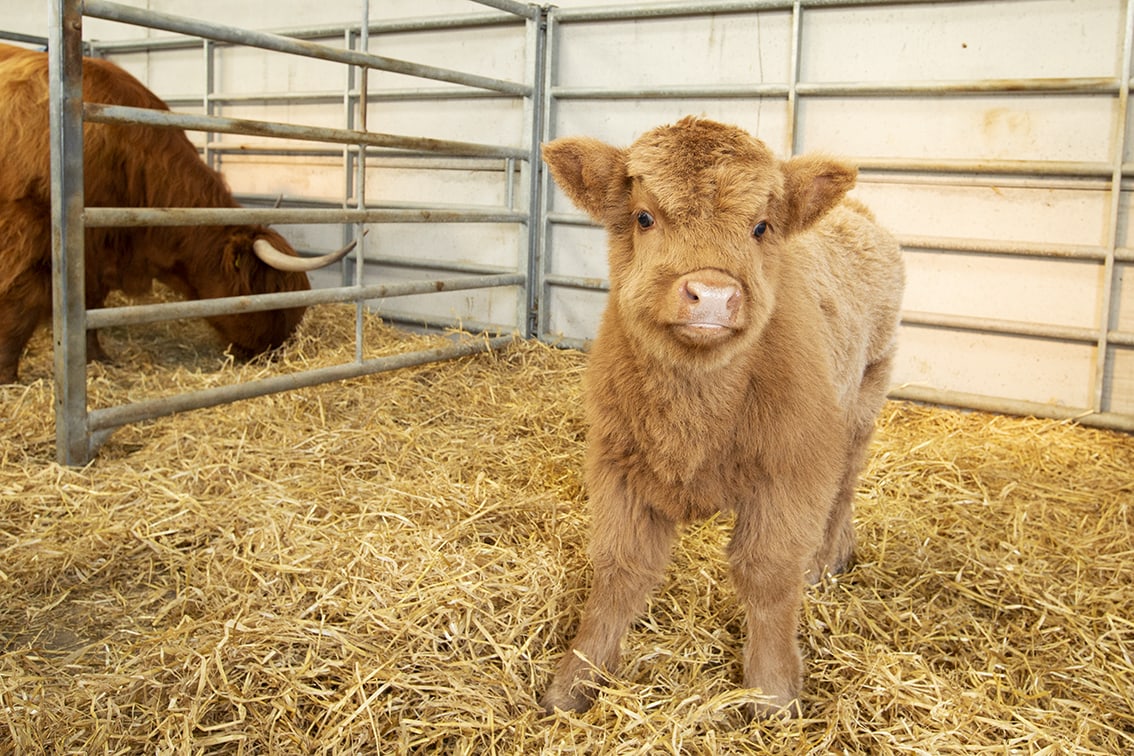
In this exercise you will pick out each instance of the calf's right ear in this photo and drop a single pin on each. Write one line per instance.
(814, 184)
(585, 170)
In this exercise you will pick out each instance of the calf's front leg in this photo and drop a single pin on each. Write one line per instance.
(630, 547)
(767, 568)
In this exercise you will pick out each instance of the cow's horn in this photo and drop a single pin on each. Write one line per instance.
(293, 263)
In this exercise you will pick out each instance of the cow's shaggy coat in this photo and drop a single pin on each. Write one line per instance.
(124, 166)
(741, 361)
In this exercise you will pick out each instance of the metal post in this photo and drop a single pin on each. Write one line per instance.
(213, 159)
(541, 258)
(348, 153)
(65, 65)
(360, 181)
(534, 301)
(793, 84)
(1109, 283)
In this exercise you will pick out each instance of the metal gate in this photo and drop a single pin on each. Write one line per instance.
(79, 430)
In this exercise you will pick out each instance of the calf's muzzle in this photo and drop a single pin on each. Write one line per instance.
(707, 303)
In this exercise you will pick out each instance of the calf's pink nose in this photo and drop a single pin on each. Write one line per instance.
(709, 294)
(708, 298)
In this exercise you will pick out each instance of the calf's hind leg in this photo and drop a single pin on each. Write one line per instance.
(630, 547)
(837, 550)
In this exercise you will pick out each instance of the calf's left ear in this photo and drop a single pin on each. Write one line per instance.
(586, 170)
(813, 184)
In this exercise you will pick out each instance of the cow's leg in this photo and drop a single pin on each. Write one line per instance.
(96, 295)
(25, 279)
(95, 352)
(23, 306)
(630, 547)
(837, 550)
(16, 329)
(767, 568)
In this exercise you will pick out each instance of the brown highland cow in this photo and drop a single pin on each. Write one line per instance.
(742, 359)
(126, 166)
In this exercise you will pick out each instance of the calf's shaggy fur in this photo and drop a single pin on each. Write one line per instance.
(741, 361)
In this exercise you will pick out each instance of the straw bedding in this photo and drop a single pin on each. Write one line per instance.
(395, 564)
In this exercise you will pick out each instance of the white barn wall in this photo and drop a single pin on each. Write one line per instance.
(916, 42)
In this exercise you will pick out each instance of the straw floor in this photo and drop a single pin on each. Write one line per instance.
(394, 564)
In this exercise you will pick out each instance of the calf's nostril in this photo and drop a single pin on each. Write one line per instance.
(691, 291)
(698, 292)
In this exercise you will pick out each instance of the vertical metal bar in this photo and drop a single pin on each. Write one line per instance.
(348, 153)
(360, 180)
(65, 65)
(1099, 399)
(535, 302)
(540, 263)
(212, 159)
(792, 96)
(509, 183)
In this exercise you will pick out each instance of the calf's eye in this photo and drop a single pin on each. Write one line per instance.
(645, 220)
(760, 229)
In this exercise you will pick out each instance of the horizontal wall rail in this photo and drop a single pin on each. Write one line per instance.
(1094, 86)
(26, 39)
(426, 263)
(1008, 405)
(645, 11)
(1089, 252)
(512, 6)
(1000, 326)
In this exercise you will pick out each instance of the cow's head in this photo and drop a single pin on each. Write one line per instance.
(697, 215)
(241, 272)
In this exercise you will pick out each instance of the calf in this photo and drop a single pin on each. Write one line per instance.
(743, 356)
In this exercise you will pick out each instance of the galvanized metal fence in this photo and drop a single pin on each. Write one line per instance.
(79, 429)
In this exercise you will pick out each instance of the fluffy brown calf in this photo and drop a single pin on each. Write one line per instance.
(125, 166)
(743, 356)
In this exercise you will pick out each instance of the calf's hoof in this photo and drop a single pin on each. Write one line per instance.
(824, 565)
(574, 686)
(575, 698)
(777, 695)
(766, 709)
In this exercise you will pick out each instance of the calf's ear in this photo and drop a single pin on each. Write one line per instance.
(813, 184)
(585, 170)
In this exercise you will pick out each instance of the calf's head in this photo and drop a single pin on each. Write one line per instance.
(697, 214)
